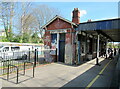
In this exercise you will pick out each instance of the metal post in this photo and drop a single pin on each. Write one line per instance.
(17, 74)
(58, 44)
(24, 68)
(8, 73)
(37, 54)
(35, 59)
(33, 70)
(56, 55)
(106, 49)
(113, 49)
(3, 65)
(29, 55)
(97, 60)
(79, 52)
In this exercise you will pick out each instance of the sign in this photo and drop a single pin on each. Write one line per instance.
(59, 31)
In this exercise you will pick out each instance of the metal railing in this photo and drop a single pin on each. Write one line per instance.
(8, 72)
(18, 58)
(17, 72)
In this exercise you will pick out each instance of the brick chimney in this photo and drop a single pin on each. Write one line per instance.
(76, 16)
(89, 20)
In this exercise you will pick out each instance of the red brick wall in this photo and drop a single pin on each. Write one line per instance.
(47, 39)
(61, 24)
(58, 24)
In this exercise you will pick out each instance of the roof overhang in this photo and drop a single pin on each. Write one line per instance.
(108, 28)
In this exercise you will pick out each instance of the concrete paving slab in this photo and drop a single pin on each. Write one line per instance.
(60, 75)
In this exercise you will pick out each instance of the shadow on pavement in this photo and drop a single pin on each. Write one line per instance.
(13, 79)
(103, 81)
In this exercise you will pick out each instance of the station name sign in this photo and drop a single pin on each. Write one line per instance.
(59, 31)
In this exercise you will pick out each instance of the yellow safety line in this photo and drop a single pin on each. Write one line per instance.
(91, 83)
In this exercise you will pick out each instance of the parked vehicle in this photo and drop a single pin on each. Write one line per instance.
(14, 52)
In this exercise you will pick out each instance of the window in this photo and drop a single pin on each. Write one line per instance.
(15, 48)
(6, 49)
(53, 41)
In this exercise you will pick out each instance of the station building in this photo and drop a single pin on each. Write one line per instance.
(78, 42)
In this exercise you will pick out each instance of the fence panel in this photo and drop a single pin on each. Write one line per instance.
(17, 58)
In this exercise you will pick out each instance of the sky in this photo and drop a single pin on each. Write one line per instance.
(88, 10)
(100, 10)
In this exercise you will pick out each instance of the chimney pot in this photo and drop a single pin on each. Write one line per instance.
(89, 20)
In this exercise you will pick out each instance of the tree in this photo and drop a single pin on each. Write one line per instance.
(35, 38)
(6, 16)
(31, 19)
(23, 18)
(43, 14)
(25, 38)
(26, 18)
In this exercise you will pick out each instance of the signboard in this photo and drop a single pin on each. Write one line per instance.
(59, 31)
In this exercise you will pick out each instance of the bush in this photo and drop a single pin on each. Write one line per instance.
(3, 39)
(35, 38)
(16, 38)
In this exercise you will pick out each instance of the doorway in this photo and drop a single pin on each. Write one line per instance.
(62, 47)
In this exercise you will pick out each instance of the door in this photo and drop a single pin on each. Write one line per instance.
(61, 47)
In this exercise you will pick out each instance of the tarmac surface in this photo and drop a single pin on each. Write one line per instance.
(86, 75)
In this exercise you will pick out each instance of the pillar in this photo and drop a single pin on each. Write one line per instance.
(97, 59)
(106, 48)
(79, 52)
(98, 40)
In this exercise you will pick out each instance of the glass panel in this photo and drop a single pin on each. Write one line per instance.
(53, 41)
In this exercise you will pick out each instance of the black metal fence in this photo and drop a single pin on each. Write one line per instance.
(18, 58)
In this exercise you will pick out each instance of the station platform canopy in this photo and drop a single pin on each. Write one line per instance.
(108, 28)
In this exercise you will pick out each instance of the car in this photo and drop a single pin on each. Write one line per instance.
(14, 52)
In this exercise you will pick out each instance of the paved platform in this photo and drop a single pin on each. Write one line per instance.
(60, 75)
